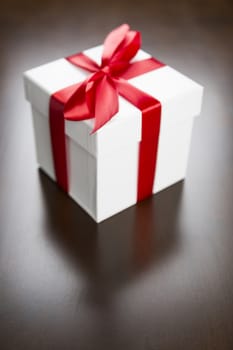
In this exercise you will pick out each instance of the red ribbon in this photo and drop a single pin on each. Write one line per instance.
(97, 97)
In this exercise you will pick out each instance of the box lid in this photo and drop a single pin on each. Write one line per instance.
(179, 95)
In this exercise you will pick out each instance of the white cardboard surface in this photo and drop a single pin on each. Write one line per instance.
(103, 166)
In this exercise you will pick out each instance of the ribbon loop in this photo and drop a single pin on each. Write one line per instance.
(112, 42)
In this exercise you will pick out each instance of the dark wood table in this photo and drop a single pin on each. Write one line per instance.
(158, 276)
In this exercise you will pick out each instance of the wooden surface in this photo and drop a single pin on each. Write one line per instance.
(157, 276)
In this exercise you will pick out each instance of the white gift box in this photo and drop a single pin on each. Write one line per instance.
(103, 167)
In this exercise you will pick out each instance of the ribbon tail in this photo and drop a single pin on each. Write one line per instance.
(103, 95)
(76, 107)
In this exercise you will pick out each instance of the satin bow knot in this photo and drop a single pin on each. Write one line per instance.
(97, 96)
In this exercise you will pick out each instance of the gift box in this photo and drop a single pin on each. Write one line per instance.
(112, 125)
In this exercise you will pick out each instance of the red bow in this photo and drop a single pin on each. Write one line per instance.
(97, 96)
